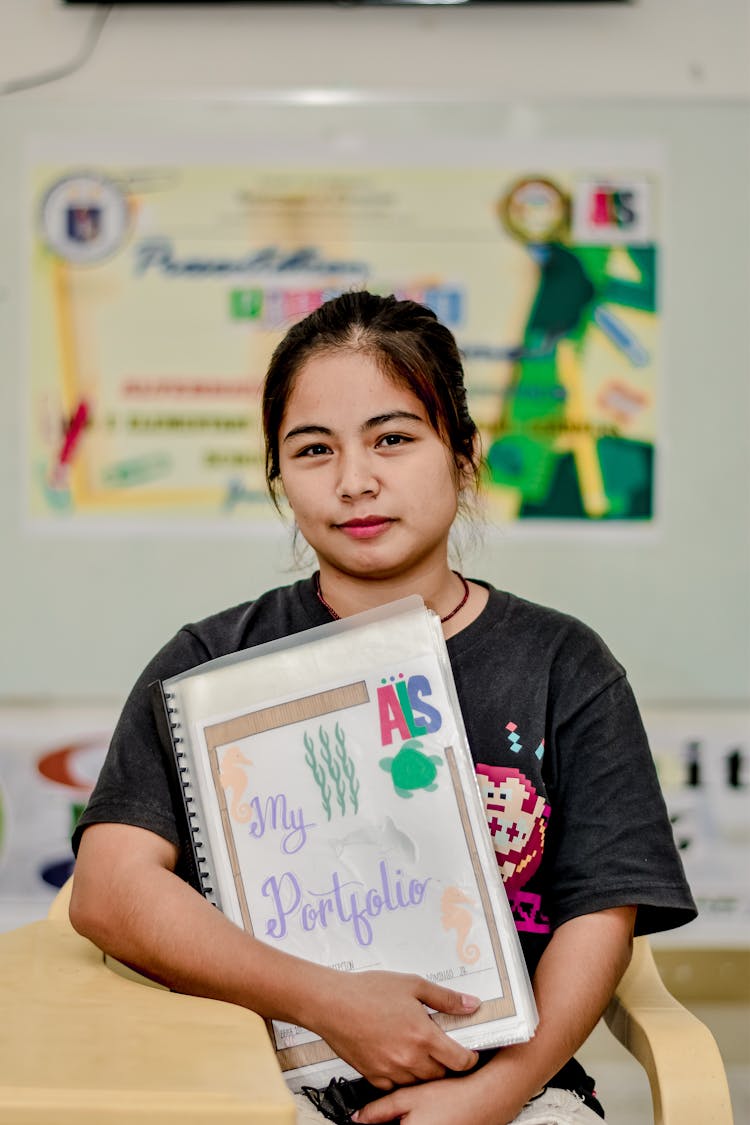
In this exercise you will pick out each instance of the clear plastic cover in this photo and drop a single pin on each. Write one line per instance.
(338, 817)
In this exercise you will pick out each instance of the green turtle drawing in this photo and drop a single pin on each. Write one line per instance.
(411, 769)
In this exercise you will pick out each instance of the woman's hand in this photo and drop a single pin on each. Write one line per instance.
(377, 1022)
(454, 1101)
(575, 979)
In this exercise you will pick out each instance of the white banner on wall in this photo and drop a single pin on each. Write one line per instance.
(704, 768)
(50, 757)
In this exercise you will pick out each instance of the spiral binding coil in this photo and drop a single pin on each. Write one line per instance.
(184, 771)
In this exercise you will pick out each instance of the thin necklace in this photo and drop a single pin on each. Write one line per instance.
(453, 612)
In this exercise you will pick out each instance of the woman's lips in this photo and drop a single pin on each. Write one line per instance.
(367, 528)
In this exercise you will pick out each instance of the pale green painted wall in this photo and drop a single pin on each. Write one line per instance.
(81, 614)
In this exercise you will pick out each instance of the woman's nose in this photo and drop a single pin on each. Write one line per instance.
(356, 477)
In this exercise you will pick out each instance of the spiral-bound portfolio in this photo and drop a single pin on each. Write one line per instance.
(194, 862)
(331, 809)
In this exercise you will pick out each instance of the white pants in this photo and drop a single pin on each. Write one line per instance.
(553, 1107)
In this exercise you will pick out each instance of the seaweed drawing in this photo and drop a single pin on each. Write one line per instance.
(319, 774)
(334, 769)
(347, 766)
(339, 768)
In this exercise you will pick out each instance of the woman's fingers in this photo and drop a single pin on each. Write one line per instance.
(447, 1052)
(380, 1024)
(446, 999)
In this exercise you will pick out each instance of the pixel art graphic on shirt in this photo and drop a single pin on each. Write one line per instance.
(517, 817)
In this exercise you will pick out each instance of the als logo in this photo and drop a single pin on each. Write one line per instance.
(615, 212)
(404, 711)
(612, 207)
(403, 708)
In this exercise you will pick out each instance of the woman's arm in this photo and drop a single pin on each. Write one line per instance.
(128, 901)
(574, 982)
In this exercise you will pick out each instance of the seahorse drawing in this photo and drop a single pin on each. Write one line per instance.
(454, 915)
(232, 776)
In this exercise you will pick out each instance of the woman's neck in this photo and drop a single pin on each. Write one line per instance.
(442, 590)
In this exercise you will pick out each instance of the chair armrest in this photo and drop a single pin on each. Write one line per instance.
(677, 1051)
(80, 1043)
(60, 905)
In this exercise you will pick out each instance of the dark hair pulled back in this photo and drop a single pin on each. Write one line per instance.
(411, 347)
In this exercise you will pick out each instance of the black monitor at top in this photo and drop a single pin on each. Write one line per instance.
(346, 3)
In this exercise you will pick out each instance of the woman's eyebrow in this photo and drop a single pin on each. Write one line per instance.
(297, 431)
(391, 416)
(313, 428)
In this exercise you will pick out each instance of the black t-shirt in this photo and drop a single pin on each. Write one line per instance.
(573, 804)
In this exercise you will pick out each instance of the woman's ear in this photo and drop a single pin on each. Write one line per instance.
(477, 454)
(280, 492)
(468, 467)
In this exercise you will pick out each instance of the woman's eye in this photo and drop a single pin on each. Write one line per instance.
(313, 450)
(394, 439)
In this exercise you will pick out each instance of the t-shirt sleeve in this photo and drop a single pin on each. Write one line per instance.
(610, 838)
(133, 785)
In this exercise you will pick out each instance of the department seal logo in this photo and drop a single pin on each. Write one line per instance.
(84, 218)
(535, 210)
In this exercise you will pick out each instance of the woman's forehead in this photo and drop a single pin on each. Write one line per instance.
(346, 383)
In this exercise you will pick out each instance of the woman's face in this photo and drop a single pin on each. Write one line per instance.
(371, 484)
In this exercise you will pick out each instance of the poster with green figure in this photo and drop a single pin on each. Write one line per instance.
(158, 294)
(568, 441)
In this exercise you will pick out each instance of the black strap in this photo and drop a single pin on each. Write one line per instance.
(343, 1097)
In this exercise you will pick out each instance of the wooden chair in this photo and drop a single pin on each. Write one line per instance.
(82, 1045)
(81, 1040)
(678, 1052)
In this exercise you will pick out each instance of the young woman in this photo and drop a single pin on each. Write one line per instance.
(368, 435)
